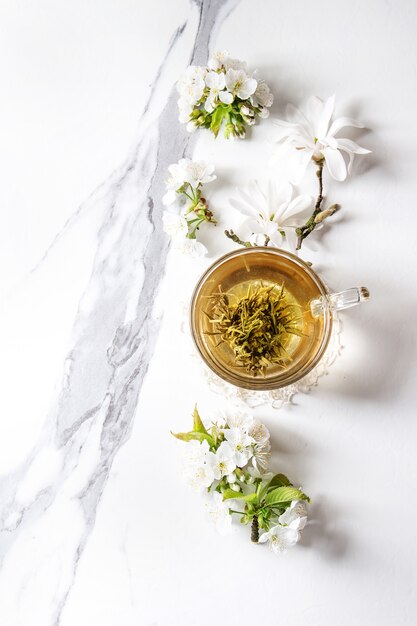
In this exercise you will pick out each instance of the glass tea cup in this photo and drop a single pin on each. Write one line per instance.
(243, 271)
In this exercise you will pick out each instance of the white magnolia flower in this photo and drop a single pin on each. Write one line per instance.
(190, 247)
(281, 538)
(273, 213)
(241, 445)
(191, 85)
(217, 61)
(239, 419)
(240, 84)
(223, 462)
(174, 224)
(313, 135)
(295, 516)
(218, 512)
(262, 95)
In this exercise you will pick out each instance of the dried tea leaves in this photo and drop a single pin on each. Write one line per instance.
(256, 327)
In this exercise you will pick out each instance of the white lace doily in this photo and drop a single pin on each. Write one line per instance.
(276, 398)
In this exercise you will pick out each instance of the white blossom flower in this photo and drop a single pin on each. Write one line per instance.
(295, 516)
(196, 453)
(218, 512)
(281, 538)
(223, 462)
(240, 84)
(216, 82)
(174, 224)
(191, 85)
(241, 445)
(185, 109)
(273, 214)
(175, 180)
(217, 61)
(186, 171)
(262, 447)
(190, 247)
(259, 432)
(262, 95)
(200, 477)
(239, 419)
(197, 172)
(234, 64)
(199, 466)
(312, 134)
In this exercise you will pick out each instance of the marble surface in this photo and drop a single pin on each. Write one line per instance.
(97, 525)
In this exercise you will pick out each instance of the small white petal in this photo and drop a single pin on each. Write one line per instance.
(350, 146)
(335, 163)
(325, 117)
(226, 97)
(298, 211)
(342, 122)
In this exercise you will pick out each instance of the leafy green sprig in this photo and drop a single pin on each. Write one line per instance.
(263, 497)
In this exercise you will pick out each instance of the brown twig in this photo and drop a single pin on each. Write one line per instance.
(254, 535)
(232, 235)
(309, 226)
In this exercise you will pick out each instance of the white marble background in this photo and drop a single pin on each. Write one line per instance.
(97, 526)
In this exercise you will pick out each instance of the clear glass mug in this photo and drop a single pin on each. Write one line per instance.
(233, 273)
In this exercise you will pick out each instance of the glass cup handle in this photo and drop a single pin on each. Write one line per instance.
(338, 301)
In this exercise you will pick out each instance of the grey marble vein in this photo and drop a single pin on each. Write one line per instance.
(109, 358)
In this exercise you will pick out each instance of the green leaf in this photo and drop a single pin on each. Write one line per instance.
(216, 120)
(284, 494)
(279, 480)
(194, 435)
(198, 425)
(228, 494)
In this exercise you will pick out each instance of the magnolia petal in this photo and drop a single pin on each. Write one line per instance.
(298, 164)
(314, 110)
(325, 117)
(264, 538)
(350, 146)
(291, 239)
(279, 194)
(276, 239)
(254, 227)
(335, 163)
(298, 211)
(341, 122)
(295, 115)
(243, 207)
